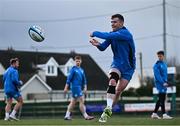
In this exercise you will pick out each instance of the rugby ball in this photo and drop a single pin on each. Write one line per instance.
(36, 33)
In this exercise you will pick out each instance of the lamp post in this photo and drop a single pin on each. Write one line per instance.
(141, 69)
(164, 30)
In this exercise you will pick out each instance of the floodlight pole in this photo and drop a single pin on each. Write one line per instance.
(164, 30)
(141, 69)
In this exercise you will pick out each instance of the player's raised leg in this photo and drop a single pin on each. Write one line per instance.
(113, 79)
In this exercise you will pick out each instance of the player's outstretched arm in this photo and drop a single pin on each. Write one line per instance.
(118, 35)
(100, 46)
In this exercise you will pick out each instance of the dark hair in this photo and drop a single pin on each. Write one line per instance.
(13, 60)
(160, 53)
(118, 16)
(77, 57)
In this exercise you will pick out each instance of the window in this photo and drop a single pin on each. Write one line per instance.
(50, 69)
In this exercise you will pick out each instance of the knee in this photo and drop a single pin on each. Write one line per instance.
(8, 104)
(81, 104)
(72, 104)
(113, 79)
(112, 82)
(20, 101)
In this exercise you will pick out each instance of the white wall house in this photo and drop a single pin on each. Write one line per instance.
(37, 84)
(34, 85)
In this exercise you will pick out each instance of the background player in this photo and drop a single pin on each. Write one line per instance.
(76, 81)
(160, 75)
(11, 89)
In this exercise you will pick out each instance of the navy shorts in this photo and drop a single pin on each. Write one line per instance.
(76, 92)
(123, 74)
(10, 95)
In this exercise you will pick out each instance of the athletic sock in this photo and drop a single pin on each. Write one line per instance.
(7, 114)
(13, 113)
(109, 102)
(85, 115)
(67, 114)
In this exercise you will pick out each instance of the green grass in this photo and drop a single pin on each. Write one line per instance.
(115, 120)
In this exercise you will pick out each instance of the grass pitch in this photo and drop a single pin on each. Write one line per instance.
(79, 121)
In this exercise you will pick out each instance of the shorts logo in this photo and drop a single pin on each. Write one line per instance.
(75, 95)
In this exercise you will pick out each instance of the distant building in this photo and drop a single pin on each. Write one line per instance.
(44, 72)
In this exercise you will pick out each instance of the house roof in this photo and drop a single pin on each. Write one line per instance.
(42, 82)
(97, 79)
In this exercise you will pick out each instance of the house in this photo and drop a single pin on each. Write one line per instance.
(44, 72)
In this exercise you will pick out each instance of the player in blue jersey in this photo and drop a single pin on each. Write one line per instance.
(76, 81)
(123, 65)
(11, 89)
(160, 75)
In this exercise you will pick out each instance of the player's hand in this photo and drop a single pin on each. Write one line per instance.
(171, 88)
(65, 90)
(94, 42)
(21, 82)
(19, 85)
(91, 35)
(165, 84)
(85, 91)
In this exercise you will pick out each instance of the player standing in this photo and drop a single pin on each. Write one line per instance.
(11, 88)
(76, 81)
(160, 75)
(123, 65)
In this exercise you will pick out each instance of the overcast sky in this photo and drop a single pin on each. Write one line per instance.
(67, 24)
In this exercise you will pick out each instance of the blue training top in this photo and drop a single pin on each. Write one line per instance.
(76, 78)
(11, 80)
(160, 75)
(122, 45)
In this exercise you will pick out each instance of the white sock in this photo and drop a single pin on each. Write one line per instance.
(85, 115)
(109, 102)
(13, 113)
(67, 114)
(7, 114)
